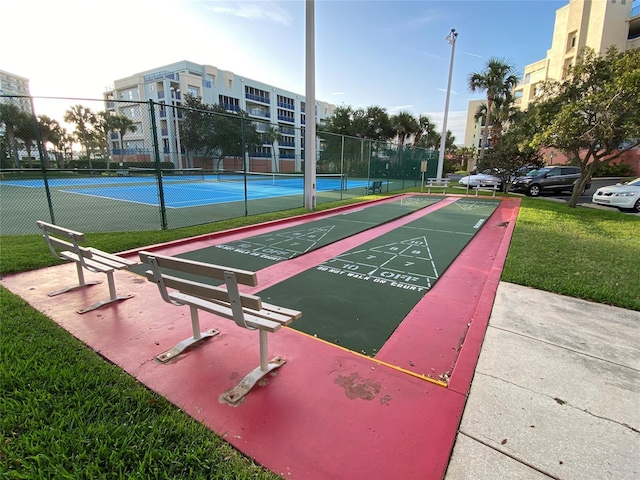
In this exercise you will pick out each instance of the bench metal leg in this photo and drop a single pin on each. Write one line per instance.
(237, 393)
(187, 342)
(113, 296)
(81, 283)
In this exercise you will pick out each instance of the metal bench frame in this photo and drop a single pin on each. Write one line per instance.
(65, 244)
(247, 311)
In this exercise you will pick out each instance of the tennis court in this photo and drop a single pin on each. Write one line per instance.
(396, 296)
(135, 200)
(190, 188)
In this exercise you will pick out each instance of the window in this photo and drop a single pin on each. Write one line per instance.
(230, 83)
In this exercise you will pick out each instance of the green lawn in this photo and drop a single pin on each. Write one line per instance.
(67, 413)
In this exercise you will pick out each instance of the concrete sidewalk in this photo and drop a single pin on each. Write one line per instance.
(556, 393)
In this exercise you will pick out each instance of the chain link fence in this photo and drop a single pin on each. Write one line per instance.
(116, 165)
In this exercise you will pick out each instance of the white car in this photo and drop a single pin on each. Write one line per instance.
(623, 196)
(480, 180)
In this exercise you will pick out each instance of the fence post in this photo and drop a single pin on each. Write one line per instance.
(36, 127)
(244, 168)
(156, 149)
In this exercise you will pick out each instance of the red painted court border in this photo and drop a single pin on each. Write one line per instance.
(327, 413)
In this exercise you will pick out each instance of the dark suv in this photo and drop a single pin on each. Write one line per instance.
(553, 179)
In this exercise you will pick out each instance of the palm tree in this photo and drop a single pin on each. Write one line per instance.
(25, 130)
(122, 124)
(49, 132)
(10, 116)
(274, 136)
(84, 119)
(425, 126)
(498, 80)
(503, 114)
(405, 125)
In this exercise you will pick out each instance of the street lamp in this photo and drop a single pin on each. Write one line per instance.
(451, 38)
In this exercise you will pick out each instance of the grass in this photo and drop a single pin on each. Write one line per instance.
(578, 252)
(67, 413)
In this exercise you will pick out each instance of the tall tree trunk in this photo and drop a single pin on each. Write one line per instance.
(485, 131)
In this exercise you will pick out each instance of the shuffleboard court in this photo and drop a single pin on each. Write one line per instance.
(357, 299)
(260, 251)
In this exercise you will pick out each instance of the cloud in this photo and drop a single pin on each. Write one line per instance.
(262, 11)
(337, 93)
(456, 122)
(400, 107)
(453, 92)
(471, 54)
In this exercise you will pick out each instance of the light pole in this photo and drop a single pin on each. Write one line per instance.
(175, 94)
(451, 38)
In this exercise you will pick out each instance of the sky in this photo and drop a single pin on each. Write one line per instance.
(387, 53)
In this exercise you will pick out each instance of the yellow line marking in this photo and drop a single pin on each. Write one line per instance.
(379, 362)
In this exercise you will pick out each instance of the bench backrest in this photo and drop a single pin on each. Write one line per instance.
(59, 238)
(231, 277)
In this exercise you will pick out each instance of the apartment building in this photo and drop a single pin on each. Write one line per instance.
(12, 84)
(597, 24)
(270, 106)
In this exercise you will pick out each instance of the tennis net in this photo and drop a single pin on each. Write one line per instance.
(278, 179)
(168, 174)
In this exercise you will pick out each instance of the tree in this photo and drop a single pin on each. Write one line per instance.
(274, 136)
(123, 125)
(463, 158)
(10, 116)
(514, 153)
(49, 132)
(103, 127)
(425, 127)
(504, 113)
(497, 80)
(593, 115)
(84, 119)
(214, 133)
(404, 125)
(25, 130)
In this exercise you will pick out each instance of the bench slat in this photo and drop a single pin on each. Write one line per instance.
(224, 311)
(64, 232)
(205, 291)
(244, 277)
(125, 262)
(294, 314)
(101, 267)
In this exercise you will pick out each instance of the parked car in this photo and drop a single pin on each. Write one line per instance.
(484, 179)
(623, 196)
(556, 179)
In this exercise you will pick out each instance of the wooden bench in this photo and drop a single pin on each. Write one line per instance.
(376, 185)
(437, 183)
(247, 311)
(65, 244)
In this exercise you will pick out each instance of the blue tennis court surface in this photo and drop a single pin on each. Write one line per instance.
(182, 192)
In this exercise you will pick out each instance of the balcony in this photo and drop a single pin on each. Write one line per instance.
(257, 98)
(282, 118)
(256, 112)
(288, 106)
(230, 107)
